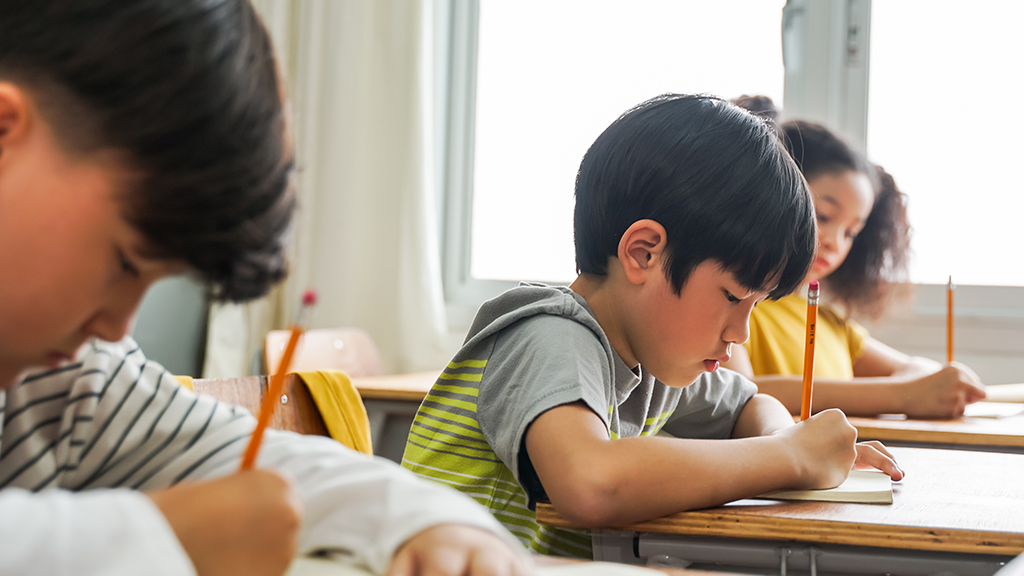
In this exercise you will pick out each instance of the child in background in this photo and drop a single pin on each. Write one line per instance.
(140, 139)
(688, 212)
(861, 263)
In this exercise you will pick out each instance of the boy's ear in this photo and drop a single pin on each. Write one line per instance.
(14, 114)
(642, 250)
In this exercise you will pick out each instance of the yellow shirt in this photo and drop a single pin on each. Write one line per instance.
(776, 344)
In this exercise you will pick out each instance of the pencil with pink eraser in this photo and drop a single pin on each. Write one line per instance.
(812, 319)
(270, 401)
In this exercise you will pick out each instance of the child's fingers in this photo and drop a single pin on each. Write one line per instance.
(880, 447)
(403, 564)
(482, 564)
(870, 456)
(504, 562)
(447, 562)
(975, 393)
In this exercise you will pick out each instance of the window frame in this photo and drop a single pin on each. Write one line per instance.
(463, 293)
(828, 40)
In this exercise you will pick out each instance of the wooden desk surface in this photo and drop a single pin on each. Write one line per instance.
(412, 387)
(950, 500)
(1004, 432)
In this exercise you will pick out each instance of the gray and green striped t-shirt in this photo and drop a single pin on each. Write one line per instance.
(529, 350)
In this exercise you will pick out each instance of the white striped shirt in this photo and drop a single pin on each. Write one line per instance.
(115, 420)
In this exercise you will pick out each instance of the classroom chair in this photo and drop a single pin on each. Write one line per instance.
(349, 349)
(322, 403)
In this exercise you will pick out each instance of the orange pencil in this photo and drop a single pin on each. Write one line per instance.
(812, 319)
(273, 395)
(949, 321)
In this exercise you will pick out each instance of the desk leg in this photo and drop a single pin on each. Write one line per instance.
(390, 421)
(377, 419)
(784, 560)
(614, 546)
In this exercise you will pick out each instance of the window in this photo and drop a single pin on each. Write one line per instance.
(551, 75)
(944, 119)
(940, 80)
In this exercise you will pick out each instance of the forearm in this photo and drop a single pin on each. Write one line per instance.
(856, 397)
(594, 481)
(102, 532)
(361, 506)
(659, 476)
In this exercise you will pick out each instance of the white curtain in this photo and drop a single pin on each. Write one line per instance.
(359, 76)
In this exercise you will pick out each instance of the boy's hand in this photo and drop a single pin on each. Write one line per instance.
(457, 550)
(943, 393)
(246, 524)
(824, 449)
(873, 454)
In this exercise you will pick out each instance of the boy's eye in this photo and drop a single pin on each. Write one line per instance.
(127, 266)
(730, 297)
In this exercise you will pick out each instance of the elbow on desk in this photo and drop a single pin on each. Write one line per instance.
(587, 500)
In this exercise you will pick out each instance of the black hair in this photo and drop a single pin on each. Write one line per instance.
(714, 176)
(875, 272)
(187, 92)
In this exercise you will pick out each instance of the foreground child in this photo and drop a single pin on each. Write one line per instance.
(863, 247)
(688, 212)
(138, 139)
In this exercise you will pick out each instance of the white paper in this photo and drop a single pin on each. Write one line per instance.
(861, 486)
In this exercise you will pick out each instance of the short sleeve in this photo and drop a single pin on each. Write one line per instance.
(710, 406)
(856, 337)
(537, 364)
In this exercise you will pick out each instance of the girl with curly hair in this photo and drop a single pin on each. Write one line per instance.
(861, 264)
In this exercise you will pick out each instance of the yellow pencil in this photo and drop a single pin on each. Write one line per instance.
(812, 319)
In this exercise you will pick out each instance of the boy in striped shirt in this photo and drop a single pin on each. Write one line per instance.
(688, 212)
(140, 139)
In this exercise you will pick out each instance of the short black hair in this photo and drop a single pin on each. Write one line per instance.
(187, 92)
(714, 176)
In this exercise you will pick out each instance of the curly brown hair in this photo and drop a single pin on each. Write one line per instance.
(874, 275)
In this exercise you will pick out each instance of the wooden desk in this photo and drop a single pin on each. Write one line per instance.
(391, 403)
(951, 501)
(407, 387)
(992, 434)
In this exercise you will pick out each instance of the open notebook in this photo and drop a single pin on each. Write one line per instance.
(1005, 393)
(992, 409)
(316, 567)
(861, 486)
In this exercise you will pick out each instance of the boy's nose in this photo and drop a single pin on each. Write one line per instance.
(113, 321)
(109, 325)
(738, 329)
